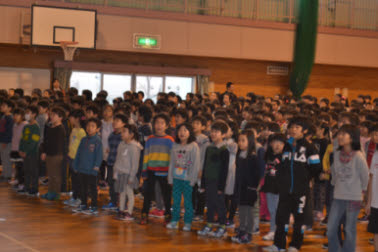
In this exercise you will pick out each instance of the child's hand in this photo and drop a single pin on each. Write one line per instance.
(322, 176)
(3, 145)
(130, 182)
(22, 154)
(107, 150)
(220, 192)
(96, 168)
(43, 156)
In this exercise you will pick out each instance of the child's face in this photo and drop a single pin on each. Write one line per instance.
(277, 147)
(17, 118)
(278, 116)
(160, 126)
(55, 118)
(374, 137)
(126, 135)
(343, 121)
(297, 131)
(108, 113)
(243, 142)
(229, 133)
(92, 128)
(73, 120)
(4, 108)
(364, 131)
(197, 127)
(89, 114)
(118, 124)
(344, 138)
(183, 134)
(319, 132)
(216, 136)
(179, 119)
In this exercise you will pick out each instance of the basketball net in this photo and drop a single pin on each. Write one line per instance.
(69, 48)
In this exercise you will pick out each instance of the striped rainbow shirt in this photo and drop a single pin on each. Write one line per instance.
(157, 154)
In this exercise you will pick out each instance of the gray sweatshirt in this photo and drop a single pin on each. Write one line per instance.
(127, 160)
(185, 163)
(351, 178)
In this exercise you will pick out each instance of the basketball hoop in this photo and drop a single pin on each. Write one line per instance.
(69, 48)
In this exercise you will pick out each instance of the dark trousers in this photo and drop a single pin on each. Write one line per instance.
(111, 181)
(64, 185)
(31, 170)
(75, 180)
(20, 176)
(198, 200)
(290, 204)
(88, 185)
(150, 190)
(231, 206)
(101, 174)
(215, 203)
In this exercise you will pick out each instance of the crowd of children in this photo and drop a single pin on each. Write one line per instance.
(265, 158)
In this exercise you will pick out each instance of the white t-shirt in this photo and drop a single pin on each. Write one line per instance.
(374, 171)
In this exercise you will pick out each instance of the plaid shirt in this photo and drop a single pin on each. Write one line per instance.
(113, 140)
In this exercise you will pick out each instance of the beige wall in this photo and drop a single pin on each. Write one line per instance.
(25, 78)
(210, 40)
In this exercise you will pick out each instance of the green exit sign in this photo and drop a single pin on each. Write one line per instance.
(146, 41)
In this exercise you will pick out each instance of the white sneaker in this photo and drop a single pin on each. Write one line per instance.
(269, 236)
(292, 249)
(273, 248)
(13, 182)
(75, 203)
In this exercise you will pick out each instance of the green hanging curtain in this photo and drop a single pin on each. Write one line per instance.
(63, 75)
(305, 43)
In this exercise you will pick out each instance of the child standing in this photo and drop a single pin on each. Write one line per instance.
(350, 176)
(106, 130)
(115, 138)
(199, 126)
(372, 203)
(247, 180)
(18, 126)
(183, 174)
(214, 180)
(76, 135)
(125, 170)
(87, 163)
(157, 155)
(300, 163)
(273, 159)
(53, 148)
(6, 133)
(29, 151)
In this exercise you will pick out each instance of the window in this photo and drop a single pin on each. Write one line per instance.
(115, 85)
(86, 80)
(150, 85)
(179, 85)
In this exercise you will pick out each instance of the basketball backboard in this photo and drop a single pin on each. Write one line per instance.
(51, 25)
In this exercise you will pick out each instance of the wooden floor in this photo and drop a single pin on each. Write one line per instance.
(30, 224)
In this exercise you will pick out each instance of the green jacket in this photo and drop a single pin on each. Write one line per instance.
(30, 139)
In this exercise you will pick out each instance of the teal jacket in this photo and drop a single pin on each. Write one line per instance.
(89, 155)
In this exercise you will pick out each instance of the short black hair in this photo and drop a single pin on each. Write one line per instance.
(33, 110)
(122, 117)
(87, 94)
(200, 119)
(163, 116)
(300, 121)
(146, 113)
(141, 93)
(96, 121)
(133, 129)
(59, 111)
(93, 108)
(10, 104)
(352, 117)
(77, 113)
(221, 126)
(368, 124)
(229, 84)
(44, 103)
(354, 133)
(18, 111)
(182, 113)
(189, 127)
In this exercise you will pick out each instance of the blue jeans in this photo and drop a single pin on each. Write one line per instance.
(272, 202)
(340, 207)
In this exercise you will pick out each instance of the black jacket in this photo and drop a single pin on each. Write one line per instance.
(300, 163)
(247, 179)
(271, 171)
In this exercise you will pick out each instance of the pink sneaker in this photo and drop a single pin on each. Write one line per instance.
(158, 214)
(153, 212)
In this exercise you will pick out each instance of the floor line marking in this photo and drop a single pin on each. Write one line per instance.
(18, 242)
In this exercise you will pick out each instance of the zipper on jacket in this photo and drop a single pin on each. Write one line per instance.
(292, 169)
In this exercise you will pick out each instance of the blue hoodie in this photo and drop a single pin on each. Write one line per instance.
(89, 155)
